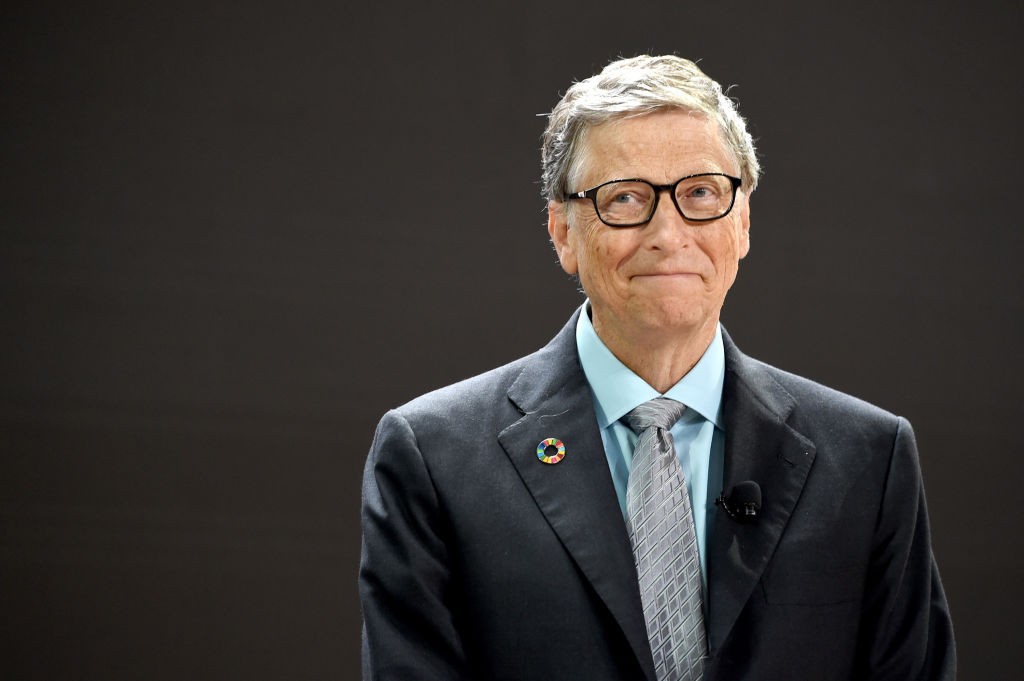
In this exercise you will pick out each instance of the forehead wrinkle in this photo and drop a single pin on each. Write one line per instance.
(614, 158)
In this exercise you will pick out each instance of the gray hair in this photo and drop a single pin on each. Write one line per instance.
(634, 87)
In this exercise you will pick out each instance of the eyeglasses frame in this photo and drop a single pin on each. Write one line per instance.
(658, 188)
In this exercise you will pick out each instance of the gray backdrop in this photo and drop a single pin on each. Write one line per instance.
(234, 234)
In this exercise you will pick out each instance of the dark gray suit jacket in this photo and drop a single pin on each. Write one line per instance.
(481, 562)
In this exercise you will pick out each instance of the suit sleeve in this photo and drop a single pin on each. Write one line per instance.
(404, 574)
(907, 633)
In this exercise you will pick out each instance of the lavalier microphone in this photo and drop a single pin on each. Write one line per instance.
(744, 502)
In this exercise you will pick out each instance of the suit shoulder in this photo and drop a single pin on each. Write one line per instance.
(471, 396)
(817, 400)
(485, 404)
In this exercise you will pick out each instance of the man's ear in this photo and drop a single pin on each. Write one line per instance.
(744, 225)
(558, 229)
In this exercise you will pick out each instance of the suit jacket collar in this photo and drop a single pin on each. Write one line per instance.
(577, 496)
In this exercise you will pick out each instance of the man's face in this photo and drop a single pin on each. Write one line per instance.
(652, 282)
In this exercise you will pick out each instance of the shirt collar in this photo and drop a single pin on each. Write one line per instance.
(617, 390)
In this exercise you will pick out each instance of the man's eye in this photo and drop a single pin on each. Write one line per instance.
(701, 192)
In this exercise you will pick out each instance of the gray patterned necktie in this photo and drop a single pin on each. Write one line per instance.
(661, 530)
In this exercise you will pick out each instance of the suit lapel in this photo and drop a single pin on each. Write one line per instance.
(576, 495)
(759, 446)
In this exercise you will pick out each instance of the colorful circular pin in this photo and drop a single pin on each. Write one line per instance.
(542, 450)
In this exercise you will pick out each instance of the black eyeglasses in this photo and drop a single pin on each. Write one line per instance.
(630, 203)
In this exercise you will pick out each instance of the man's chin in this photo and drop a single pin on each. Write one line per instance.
(671, 317)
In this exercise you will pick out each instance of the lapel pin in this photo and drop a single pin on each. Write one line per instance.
(551, 450)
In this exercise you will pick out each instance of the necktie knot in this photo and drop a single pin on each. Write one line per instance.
(660, 412)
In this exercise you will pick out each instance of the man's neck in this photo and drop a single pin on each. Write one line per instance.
(660, 359)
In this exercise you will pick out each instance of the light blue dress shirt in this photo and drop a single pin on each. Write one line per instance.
(698, 436)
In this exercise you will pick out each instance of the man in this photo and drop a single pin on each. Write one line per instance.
(556, 518)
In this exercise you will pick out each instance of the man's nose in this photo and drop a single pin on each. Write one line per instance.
(667, 227)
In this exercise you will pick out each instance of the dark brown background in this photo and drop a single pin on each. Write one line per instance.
(233, 234)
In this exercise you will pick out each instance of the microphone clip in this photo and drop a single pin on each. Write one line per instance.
(744, 502)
